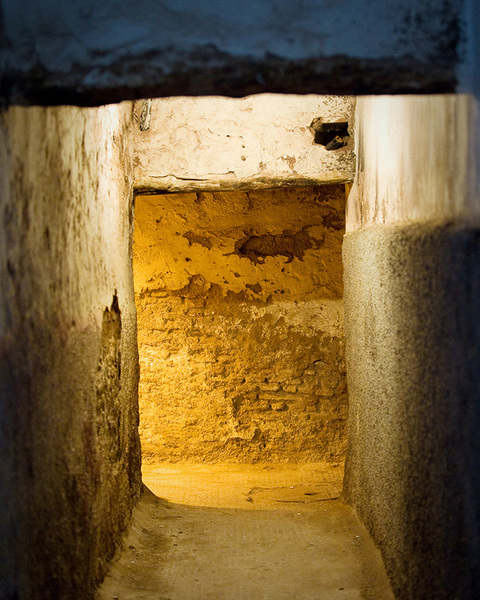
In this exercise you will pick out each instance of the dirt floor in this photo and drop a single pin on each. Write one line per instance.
(246, 532)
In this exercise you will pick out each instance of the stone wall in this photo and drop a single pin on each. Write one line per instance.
(69, 447)
(412, 318)
(413, 323)
(240, 315)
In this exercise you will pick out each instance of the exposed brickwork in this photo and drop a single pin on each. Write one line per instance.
(241, 359)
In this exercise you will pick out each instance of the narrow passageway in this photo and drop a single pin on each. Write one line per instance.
(246, 532)
(243, 403)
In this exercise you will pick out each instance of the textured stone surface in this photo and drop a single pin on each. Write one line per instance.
(239, 299)
(69, 448)
(86, 52)
(413, 349)
(225, 143)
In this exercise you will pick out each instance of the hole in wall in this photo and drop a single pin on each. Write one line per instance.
(331, 135)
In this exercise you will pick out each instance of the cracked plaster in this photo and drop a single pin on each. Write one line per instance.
(254, 142)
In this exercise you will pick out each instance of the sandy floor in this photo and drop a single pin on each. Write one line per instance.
(246, 532)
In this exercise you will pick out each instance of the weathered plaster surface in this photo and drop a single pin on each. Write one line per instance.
(224, 143)
(418, 160)
(69, 448)
(86, 52)
(239, 299)
(412, 319)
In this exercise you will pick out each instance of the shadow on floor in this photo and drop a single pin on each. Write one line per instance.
(287, 543)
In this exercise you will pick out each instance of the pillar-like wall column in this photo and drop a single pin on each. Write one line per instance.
(69, 448)
(412, 312)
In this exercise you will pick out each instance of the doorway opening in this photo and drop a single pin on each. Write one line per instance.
(240, 329)
(243, 398)
(239, 222)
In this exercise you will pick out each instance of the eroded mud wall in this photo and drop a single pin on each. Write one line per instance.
(412, 317)
(69, 448)
(240, 314)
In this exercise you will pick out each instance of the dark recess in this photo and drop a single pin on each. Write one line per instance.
(330, 135)
(208, 71)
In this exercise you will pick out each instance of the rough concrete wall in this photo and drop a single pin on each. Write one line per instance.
(89, 52)
(413, 330)
(239, 299)
(70, 457)
(412, 321)
(224, 143)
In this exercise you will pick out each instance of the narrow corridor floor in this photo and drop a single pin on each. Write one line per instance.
(245, 532)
